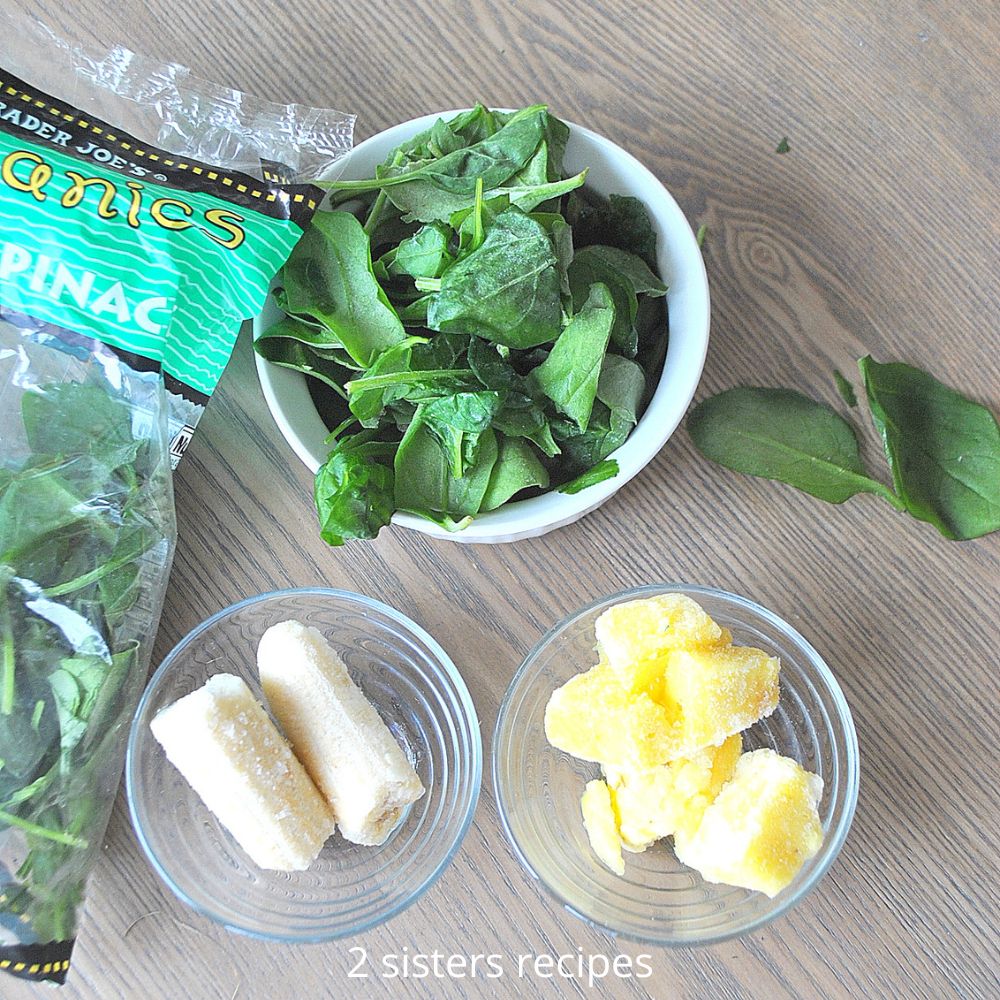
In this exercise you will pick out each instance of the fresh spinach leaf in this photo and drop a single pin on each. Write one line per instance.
(621, 387)
(620, 221)
(294, 354)
(570, 374)
(605, 433)
(517, 468)
(354, 490)
(329, 277)
(422, 255)
(458, 422)
(783, 435)
(587, 269)
(630, 266)
(507, 291)
(943, 449)
(494, 158)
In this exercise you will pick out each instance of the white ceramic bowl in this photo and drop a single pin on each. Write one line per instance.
(612, 171)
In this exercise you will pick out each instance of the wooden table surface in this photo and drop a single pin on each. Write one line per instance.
(877, 232)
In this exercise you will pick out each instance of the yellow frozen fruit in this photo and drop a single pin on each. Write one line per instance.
(654, 803)
(635, 635)
(713, 693)
(761, 828)
(594, 718)
(602, 829)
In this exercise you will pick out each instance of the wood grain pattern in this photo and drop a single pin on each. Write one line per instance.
(878, 232)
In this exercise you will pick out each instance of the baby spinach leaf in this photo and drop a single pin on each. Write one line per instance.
(422, 255)
(494, 158)
(367, 402)
(634, 268)
(507, 291)
(458, 422)
(607, 469)
(527, 196)
(783, 435)
(521, 416)
(466, 493)
(354, 490)
(517, 468)
(294, 354)
(943, 449)
(620, 221)
(329, 276)
(587, 269)
(569, 375)
(621, 387)
(74, 418)
(606, 432)
(423, 479)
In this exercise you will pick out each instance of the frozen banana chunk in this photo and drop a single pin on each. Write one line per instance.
(232, 755)
(336, 732)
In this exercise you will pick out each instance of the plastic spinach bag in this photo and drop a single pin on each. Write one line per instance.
(139, 226)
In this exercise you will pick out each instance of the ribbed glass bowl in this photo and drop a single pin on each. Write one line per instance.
(424, 701)
(659, 900)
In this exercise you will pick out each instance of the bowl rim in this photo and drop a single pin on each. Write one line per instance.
(835, 838)
(471, 719)
(519, 519)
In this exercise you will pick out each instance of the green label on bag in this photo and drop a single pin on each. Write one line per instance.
(153, 268)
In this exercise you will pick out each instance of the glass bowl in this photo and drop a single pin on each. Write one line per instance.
(424, 701)
(659, 900)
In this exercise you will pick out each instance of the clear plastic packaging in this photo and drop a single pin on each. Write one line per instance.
(142, 215)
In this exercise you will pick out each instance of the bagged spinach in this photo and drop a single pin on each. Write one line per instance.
(139, 226)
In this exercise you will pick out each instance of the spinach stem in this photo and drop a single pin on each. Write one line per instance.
(376, 210)
(8, 656)
(403, 378)
(59, 836)
(477, 231)
(427, 284)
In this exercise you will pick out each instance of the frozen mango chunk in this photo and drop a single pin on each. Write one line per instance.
(635, 635)
(713, 693)
(653, 803)
(761, 828)
(602, 828)
(594, 718)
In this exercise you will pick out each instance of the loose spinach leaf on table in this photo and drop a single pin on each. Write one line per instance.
(943, 449)
(781, 434)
